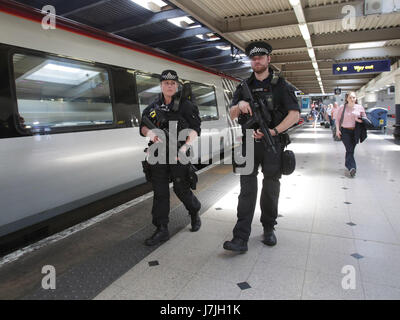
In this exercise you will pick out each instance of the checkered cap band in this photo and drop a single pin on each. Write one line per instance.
(169, 76)
(257, 50)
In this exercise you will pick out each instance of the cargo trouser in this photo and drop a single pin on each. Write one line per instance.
(271, 168)
(160, 177)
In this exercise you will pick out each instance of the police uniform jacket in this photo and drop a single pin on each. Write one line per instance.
(187, 115)
(282, 93)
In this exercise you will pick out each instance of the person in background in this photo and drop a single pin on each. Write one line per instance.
(315, 115)
(329, 113)
(334, 111)
(345, 129)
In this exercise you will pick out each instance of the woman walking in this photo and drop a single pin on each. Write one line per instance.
(347, 116)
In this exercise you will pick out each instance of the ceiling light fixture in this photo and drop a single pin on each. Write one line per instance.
(183, 22)
(208, 37)
(304, 31)
(311, 53)
(152, 5)
(363, 45)
(223, 47)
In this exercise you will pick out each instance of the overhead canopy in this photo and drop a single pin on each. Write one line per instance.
(307, 36)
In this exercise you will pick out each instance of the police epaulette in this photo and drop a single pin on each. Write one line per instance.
(275, 78)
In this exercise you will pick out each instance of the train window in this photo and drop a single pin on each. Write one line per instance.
(54, 93)
(148, 88)
(205, 98)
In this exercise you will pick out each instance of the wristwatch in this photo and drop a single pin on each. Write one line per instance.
(276, 131)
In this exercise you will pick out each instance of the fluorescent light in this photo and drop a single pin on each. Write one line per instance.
(304, 31)
(223, 47)
(240, 54)
(183, 22)
(294, 3)
(152, 5)
(62, 74)
(308, 43)
(311, 53)
(208, 37)
(315, 65)
(363, 45)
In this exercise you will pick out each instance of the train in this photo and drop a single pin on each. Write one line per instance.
(70, 106)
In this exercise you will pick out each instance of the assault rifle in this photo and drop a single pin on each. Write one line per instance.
(260, 119)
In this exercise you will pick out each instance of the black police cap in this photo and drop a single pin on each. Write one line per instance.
(169, 75)
(258, 48)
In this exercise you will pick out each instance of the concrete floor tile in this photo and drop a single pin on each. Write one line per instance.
(322, 286)
(203, 287)
(376, 233)
(186, 259)
(378, 249)
(270, 293)
(381, 271)
(128, 294)
(333, 228)
(379, 292)
(278, 280)
(325, 243)
(109, 293)
(158, 282)
(330, 262)
(229, 266)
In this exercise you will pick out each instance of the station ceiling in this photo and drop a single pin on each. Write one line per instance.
(215, 33)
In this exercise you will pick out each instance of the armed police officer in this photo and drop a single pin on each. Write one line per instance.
(284, 111)
(171, 108)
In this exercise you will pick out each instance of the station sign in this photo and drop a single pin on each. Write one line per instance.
(361, 67)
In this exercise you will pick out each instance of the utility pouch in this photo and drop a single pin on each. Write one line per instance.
(285, 139)
(192, 176)
(146, 170)
(288, 162)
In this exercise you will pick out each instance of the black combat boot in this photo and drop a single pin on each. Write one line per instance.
(236, 244)
(269, 237)
(160, 235)
(195, 221)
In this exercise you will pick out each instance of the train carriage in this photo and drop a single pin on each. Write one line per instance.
(70, 106)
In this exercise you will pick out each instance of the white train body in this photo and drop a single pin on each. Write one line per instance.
(43, 175)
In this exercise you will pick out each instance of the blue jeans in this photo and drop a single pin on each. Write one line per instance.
(350, 144)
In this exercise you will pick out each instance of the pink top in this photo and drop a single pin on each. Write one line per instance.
(350, 115)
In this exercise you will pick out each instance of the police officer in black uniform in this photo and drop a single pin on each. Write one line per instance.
(186, 114)
(285, 111)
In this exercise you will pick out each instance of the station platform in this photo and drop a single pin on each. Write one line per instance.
(327, 222)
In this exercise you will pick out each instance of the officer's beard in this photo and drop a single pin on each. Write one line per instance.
(260, 68)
